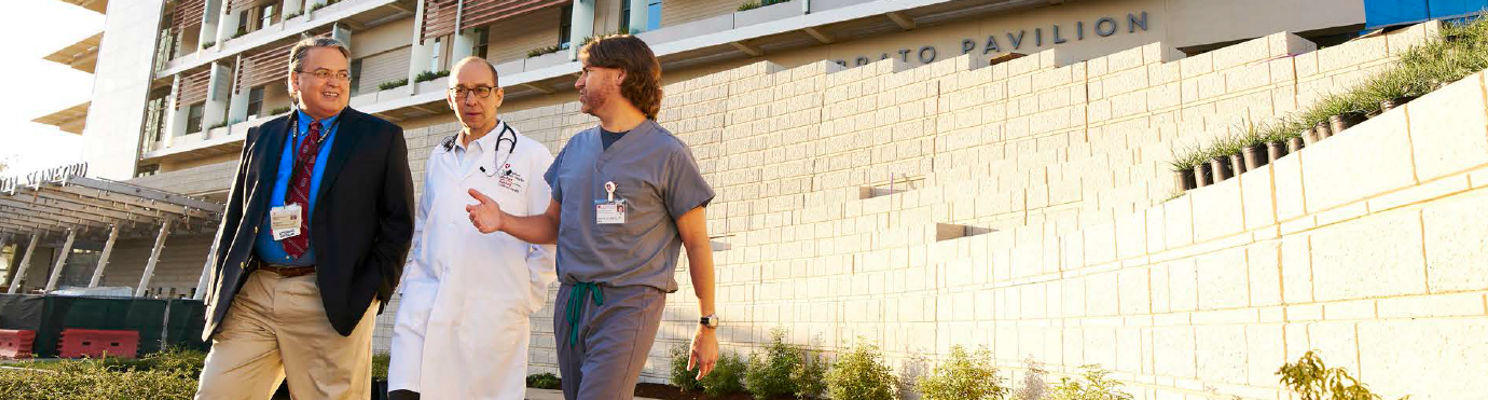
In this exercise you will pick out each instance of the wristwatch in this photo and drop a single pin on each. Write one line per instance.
(710, 321)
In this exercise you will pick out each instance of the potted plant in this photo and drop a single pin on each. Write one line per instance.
(1183, 163)
(1253, 149)
(1201, 170)
(1219, 161)
(1345, 111)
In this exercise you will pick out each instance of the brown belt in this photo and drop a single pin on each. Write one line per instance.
(286, 270)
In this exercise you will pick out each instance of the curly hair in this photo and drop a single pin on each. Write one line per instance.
(642, 84)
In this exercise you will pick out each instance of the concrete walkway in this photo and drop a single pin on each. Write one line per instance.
(546, 394)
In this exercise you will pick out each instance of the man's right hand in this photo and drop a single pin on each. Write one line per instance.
(485, 215)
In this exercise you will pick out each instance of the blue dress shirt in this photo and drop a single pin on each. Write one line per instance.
(268, 249)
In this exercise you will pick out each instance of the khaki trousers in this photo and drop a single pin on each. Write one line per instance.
(276, 329)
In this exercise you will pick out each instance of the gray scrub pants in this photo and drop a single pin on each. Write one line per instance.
(605, 358)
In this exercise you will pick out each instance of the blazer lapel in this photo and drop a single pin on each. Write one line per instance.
(268, 149)
(341, 149)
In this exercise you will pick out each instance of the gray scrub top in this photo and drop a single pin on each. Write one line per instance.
(658, 178)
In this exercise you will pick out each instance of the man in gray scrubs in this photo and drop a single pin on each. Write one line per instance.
(627, 196)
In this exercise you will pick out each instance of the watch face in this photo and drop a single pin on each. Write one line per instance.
(710, 321)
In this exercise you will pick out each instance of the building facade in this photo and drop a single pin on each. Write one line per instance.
(917, 174)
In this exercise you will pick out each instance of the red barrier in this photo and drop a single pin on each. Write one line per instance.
(15, 344)
(96, 343)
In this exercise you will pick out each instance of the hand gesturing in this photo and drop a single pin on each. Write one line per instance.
(485, 215)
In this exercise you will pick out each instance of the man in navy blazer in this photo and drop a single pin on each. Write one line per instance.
(318, 224)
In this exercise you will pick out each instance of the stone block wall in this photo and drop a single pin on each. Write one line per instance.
(1364, 246)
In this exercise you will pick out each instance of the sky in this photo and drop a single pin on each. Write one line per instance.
(35, 87)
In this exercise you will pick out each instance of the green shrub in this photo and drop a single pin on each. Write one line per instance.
(279, 110)
(860, 374)
(206, 45)
(1093, 385)
(430, 75)
(392, 84)
(72, 380)
(964, 376)
(380, 365)
(770, 376)
(170, 359)
(544, 50)
(1311, 379)
(810, 376)
(681, 377)
(317, 6)
(751, 4)
(544, 380)
(727, 376)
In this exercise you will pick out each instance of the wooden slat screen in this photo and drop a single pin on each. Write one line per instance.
(193, 87)
(263, 67)
(480, 13)
(439, 18)
(187, 14)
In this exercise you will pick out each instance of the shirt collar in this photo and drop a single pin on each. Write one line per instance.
(484, 141)
(305, 119)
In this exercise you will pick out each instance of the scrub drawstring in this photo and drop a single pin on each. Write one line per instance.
(576, 306)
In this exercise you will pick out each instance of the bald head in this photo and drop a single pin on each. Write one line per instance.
(474, 95)
(488, 67)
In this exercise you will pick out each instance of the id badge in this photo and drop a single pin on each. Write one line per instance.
(285, 220)
(609, 211)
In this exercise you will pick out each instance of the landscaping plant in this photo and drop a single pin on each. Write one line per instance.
(965, 376)
(860, 374)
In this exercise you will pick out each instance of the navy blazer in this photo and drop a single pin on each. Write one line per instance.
(361, 227)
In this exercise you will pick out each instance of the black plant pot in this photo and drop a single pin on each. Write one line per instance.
(1338, 123)
(1254, 156)
(1237, 165)
(1389, 104)
(1310, 136)
(1201, 175)
(1219, 169)
(1184, 179)
(1322, 131)
(1295, 145)
(1275, 150)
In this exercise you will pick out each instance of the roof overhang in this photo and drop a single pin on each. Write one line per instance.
(69, 120)
(98, 6)
(52, 202)
(82, 56)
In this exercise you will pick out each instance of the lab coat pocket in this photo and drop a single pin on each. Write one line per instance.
(415, 306)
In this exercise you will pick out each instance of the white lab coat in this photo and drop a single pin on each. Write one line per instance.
(462, 328)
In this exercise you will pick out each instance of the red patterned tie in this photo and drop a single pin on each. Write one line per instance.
(299, 189)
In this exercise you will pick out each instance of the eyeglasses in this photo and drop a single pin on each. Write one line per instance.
(480, 91)
(325, 74)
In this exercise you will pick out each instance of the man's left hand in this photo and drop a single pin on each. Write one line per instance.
(704, 353)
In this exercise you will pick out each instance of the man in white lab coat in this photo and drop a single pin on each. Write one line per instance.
(462, 324)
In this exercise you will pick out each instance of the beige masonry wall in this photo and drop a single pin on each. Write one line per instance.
(1365, 246)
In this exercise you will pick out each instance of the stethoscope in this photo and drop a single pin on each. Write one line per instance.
(506, 135)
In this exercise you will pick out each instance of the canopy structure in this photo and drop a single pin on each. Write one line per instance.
(63, 204)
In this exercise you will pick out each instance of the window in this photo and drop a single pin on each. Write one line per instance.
(565, 26)
(243, 20)
(482, 42)
(438, 50)
(255, 101)
(266, 16)
(625, 16)
(356, 76)
(653, 15)
(194, 117)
